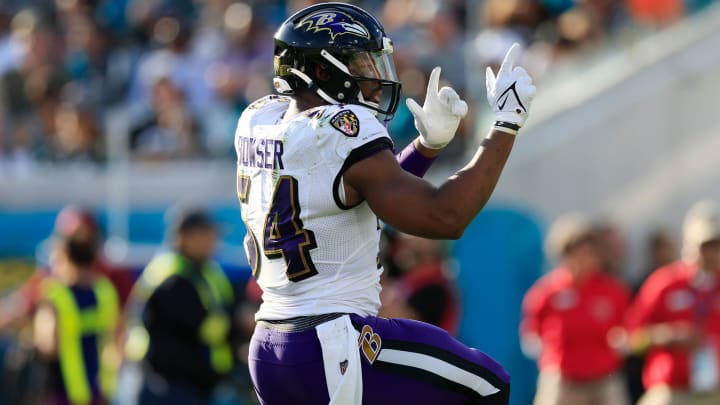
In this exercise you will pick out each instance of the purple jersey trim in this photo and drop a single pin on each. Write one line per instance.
(412, 161)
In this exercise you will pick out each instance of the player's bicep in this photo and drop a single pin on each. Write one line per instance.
(398, 198)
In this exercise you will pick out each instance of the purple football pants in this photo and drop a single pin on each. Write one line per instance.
(403, 362)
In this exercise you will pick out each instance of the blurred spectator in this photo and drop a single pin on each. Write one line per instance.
(24, 374)
(504, 23)
(388, 254)
(439, 42)
(443, 45)
(176, 61)
(76, 137)
(576, 30)
(424, 290)
(30, 91)
(567, 318)
(661, 251)
(90, 59)
(71, 222)
(11, 48)
(170, 132)
(611, 247)
(75, 324)
(181, 312)
(676, 318)
(239, 75)
(656, 11)
(214, 53)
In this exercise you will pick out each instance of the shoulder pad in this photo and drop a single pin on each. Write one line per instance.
(257, 104)
(314, 113)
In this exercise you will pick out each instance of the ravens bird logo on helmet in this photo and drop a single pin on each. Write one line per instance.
(336, 23)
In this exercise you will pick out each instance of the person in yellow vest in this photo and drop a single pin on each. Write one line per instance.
(179, 328)
(74, 326)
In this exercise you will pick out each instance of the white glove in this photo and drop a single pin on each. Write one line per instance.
(440, 115)
(510, 93)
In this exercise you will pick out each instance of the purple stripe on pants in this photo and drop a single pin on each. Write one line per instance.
(288, 368)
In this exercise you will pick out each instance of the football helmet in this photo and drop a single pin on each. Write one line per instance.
(349, 45)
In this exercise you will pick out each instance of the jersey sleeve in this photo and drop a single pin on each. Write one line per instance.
(356, 127)
(356, 134)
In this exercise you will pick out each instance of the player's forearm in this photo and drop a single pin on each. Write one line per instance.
(465, 193)
(416, 207)
(510, 94)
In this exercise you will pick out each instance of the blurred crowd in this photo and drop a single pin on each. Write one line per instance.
(179, 72)
(82, 330)
(601, 339)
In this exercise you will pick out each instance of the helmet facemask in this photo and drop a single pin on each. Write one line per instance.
(367, 78)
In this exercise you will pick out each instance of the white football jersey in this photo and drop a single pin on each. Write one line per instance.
(310, 253)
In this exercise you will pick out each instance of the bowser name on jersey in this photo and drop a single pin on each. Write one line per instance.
(263, 153)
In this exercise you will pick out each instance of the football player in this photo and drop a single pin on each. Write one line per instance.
(315, 172)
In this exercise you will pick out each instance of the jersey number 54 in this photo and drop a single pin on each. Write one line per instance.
(284, 235)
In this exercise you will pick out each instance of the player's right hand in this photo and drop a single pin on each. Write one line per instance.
(510, 93)
(439, 117)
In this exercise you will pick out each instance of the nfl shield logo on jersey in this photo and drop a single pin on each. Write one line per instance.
(346, 122)
(343, 366)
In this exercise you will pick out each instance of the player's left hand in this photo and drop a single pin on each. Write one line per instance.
(438, 119)
(510, 93)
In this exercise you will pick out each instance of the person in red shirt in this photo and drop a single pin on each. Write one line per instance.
(676, 318)
(567, 317)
